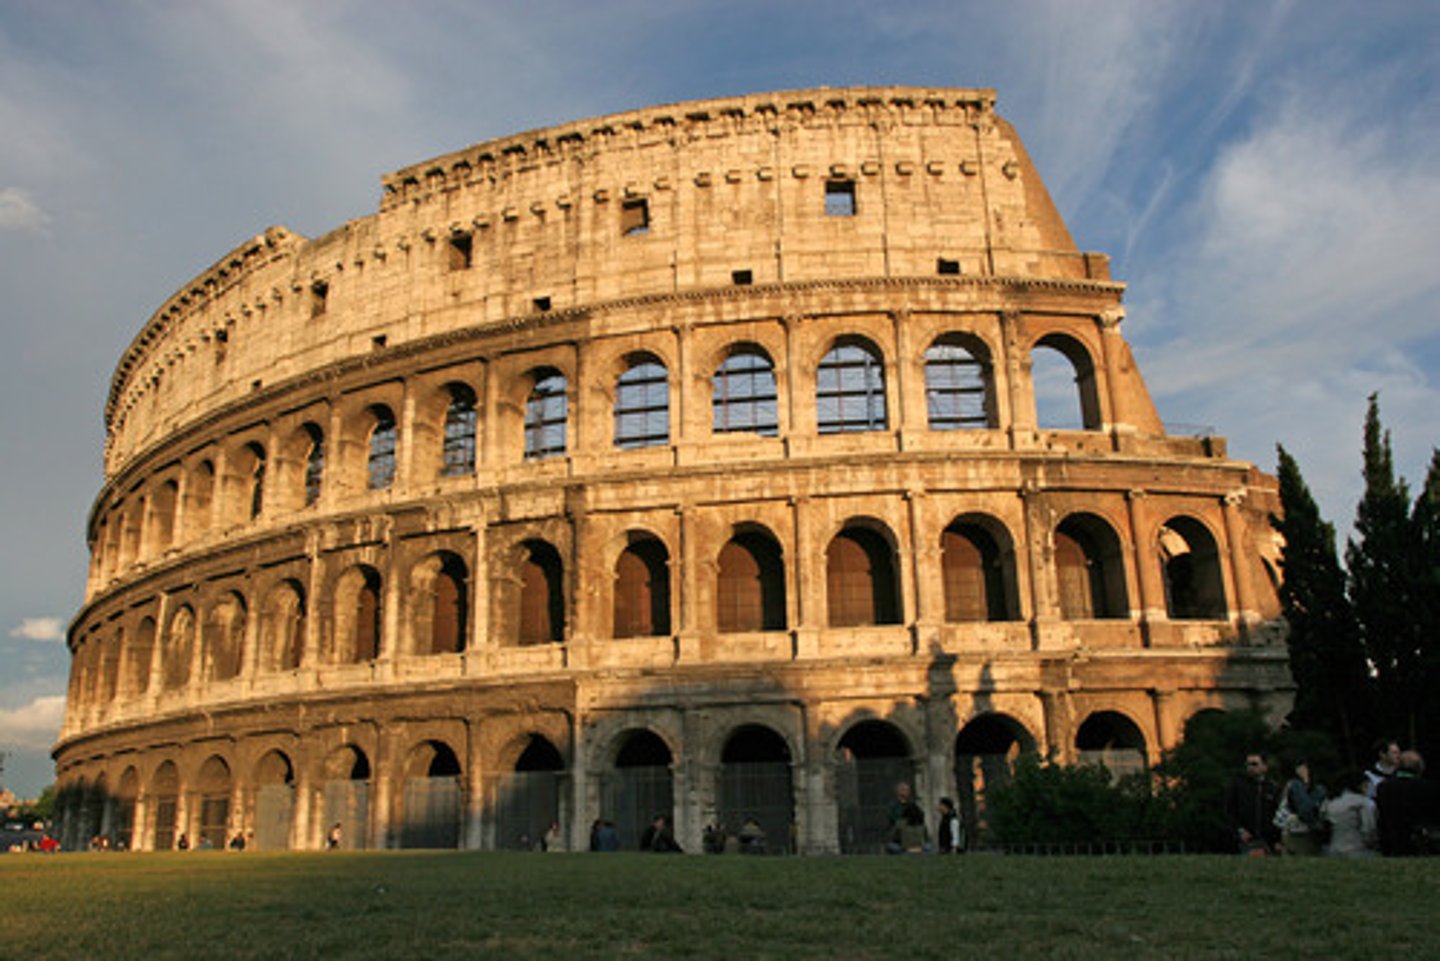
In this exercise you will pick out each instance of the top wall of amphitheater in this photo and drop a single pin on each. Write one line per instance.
(723, 185)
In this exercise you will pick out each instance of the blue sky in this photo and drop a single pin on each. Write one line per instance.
(1265, 176)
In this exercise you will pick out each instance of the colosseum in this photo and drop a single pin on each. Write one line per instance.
(731, 459)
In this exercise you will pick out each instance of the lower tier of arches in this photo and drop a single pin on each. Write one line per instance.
(810, 761)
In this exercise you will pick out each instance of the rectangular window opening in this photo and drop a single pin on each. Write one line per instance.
(635, 217)
(840, 198)
(461, 251)
(319, 294)
(377, 342)
(944, 266)
(742, 278)
(542, 304)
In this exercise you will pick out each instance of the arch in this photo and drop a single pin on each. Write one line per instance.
(642, 403)
(744, 397)
(346, 796)
(383, 441)
(959, 383)
(985, 753)
(139, 654)
(431, 800)
(282, 626)
(541, 598)
(872, 758)
(255, 479)
(163, 500)
(546, 414)
(1190, 566)
(850, 388)
(440, 592)
(358, 616)
(164, 800)
(110, 655)
(200, 498)
(178, 649)
(1112, 740)
(457, 455)
(274, 780)
(641, 605)
(750, 583)
(754, 783)
(127, 791)
(313, 478)
(977, 560)
(213, 786)
(225, 636)
(640, 785)
(1089, 569)
(1063, 380)
(862, 577)
(526, 800)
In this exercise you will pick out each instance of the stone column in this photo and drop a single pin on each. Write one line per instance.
(1244, 607)
(1108, 323)
(1167, 733)
(1148, 582)
(473, 835)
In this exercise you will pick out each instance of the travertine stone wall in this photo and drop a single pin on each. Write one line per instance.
(260, 612)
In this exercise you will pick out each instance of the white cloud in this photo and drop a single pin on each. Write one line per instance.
(35, 725)
(39, 629)
(19, 211)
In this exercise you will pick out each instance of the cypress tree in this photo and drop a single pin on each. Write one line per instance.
(1382, 585)
(1425, 575)
(1327, 660)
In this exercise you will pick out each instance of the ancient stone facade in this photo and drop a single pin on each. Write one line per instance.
(694, 460)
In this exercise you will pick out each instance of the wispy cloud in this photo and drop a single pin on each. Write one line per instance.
(33, 726)
(19, 211)
(39, 629)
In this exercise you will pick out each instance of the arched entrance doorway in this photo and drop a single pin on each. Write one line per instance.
(527, 799)
(430, 804)
(873, 758)
(985, 753)
(640, 787)
(347, 796)
(1111, 739)
(274, 802)
(755, 782)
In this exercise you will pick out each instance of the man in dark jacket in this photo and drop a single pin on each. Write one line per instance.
(1250, 802)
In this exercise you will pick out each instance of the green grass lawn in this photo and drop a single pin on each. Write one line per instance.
(462, 904)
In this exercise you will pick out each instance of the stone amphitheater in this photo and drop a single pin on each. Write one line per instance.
(732, 459)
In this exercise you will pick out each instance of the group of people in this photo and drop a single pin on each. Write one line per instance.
(658, 838)
(1390, 808)
(907, 833)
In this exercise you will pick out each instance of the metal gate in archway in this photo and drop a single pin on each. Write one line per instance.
(274, 805)
(431, 815)
(524, 804)
(347, 803)
(633, 796)
(760, 790)
(864, 792)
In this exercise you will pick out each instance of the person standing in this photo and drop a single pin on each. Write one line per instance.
(951, 836)
(1250, 802)
(1353, 832)
(1300, 834)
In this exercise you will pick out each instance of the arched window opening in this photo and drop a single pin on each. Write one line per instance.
(450, 606)
(985, 753)
(314, 464)
(201, 496)
(164, 798)
(755, 790)
(366, 637)
(1063, 379)
(431, 803)
(850, 389)
(526, 799)
(642, 405)
(110, 667)
(458, 456)
(257, 479)
(179, 649)
(123, 823)
(1194, 586)
(873, 759)
(225, 637)
(347, 798)
(642, 590)
(383, 439)
(139, 655)
(976, 573)
(750, 588)
(744, 394)
(274, 802)
(958, 392)
(861, 579)
(1089, 570)
(640, 787)
(542, 596)
(1112, 740)
(214, 791)
(283, 626)
(546, 412)
(162, 514)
